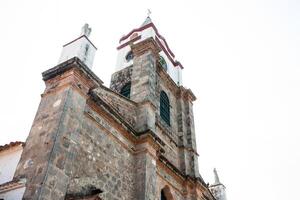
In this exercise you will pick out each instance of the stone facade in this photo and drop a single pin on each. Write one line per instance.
(89, 142)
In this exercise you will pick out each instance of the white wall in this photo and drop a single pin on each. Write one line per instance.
(174, 72)
(121, 60)
(15, 194)
(81, 48)
(9, 160)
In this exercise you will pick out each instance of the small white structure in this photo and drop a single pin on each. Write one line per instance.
(9, 158)
(81, 48)
(218, 189)
(145, 31)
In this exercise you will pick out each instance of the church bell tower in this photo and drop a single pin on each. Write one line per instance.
(148, 73)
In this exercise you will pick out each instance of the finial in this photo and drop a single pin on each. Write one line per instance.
(86, 30)
(148, 19)
(216, 176)
(148, 13)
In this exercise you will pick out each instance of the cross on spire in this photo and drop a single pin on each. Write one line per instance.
(149, 12)
(86, 30)
(148, 19)
(217, 180)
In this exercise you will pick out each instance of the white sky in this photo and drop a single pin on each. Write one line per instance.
(241, 59)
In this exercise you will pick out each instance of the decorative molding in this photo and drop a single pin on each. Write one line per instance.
(12, 185)
(158, 37)
(156, 32)
(129, 42)
(11, 145)
(174, 62)
(144, 46)
(71, 63)
(78, 39)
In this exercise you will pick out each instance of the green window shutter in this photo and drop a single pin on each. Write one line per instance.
(165, 107)
(125, 91)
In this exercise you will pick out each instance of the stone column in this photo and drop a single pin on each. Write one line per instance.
(188, 150)
(191, 138)
(143, 81)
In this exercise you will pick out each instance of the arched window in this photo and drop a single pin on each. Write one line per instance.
(125, 91)
(163, 63)
(165, 107)
(129, 56)
(162, 195)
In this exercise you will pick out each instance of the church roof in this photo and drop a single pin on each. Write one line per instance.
(11, 185)
(147, 21)
(10, 145)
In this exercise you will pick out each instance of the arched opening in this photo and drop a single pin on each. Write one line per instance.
(129, 56)
(164, 107)
(125, 91)
(162, 195)
(165, 194)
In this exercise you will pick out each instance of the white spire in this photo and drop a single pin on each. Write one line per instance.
(218, 189)
(148, 19)
(81, 48)
(217, 180)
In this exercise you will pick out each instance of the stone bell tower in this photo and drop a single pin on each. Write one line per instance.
(146, 64)
(134, 140)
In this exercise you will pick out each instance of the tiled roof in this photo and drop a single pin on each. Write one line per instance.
(11, 144)
(11, 185)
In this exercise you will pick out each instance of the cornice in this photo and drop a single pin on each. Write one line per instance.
(69, 64)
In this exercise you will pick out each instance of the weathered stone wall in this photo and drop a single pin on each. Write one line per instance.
(142, 78)
(101, 160)
(163, 85)
(171, 149)
(43, 136)
(148, 79)
(169, 133)
(143, 89)
(125, 107)
(85, 140)
(120, 78)
(69, 152)
(175, 189)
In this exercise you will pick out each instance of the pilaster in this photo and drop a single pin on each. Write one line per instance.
(146, 175)
(143, 80)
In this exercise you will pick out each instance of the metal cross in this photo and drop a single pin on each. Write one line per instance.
(86, 30)
(149, 12)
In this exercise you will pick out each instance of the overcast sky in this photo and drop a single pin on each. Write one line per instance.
(240, 58)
